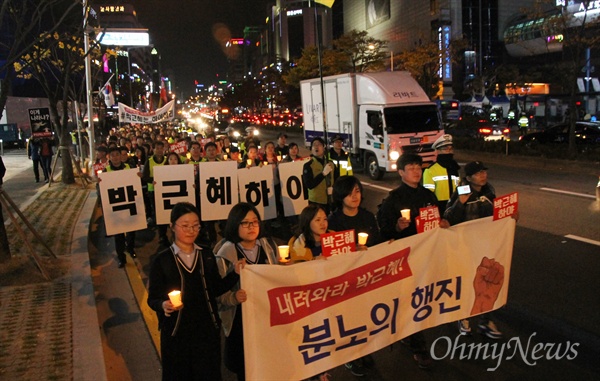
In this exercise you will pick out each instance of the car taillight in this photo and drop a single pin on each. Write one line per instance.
(485, 131)
(505, 131)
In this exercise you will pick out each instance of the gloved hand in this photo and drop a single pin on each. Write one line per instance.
(328, 168)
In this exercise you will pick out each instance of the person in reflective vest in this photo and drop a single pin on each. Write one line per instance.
(442, 176)
(317, 175)
(523, 123)
(340, 158)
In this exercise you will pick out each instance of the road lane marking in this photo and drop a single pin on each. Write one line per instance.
(377, 186)
(582, 239)
(569, 193)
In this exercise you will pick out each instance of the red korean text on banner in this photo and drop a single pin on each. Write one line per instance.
(506, 206)
(290, 304)
(338, 243)
(179, 147)
(428, 219)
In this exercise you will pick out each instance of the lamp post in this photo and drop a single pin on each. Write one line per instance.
(88, 78)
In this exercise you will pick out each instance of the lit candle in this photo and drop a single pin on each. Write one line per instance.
(175, 297)
(278, 157)
(224, 157)
(405, 213)
(249, 161)
(283, 253)
(362, 238)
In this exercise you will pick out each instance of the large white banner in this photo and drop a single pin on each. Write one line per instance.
(218, 189)
(174, 183)
(309, 317)
(293, 193)
(256, 188)
(131, 115)
(122, 201)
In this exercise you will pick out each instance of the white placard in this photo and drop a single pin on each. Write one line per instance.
(256, 188)
(218, 189)
(174, 183)
(293, 193)
(122, 201)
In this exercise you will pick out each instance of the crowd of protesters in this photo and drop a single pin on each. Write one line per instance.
(334, 196)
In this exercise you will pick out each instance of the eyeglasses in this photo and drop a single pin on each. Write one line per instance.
(249, 224)
(193, 228)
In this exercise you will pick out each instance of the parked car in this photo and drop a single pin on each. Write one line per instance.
(585, 133)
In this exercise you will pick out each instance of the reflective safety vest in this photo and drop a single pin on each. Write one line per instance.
(319, 193)
(523, 121)
(108, 168)
(152, 164)
(435, 178)
(342, 164)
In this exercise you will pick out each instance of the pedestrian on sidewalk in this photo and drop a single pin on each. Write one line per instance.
(46, 154)
(33, 153)
(190, 340)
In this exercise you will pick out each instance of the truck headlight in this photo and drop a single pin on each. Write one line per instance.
(394, 155)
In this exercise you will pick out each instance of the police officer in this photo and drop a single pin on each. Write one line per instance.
(340, 158)
(442, 176)
(523, 123)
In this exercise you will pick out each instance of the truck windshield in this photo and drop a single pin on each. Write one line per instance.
(406, 119)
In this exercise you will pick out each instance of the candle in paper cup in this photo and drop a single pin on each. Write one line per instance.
(362, 238)
(405, 213)
(283, 253)
(249, 161)
(224, 157)
(99, 171)
(175, 297)
(278, 157)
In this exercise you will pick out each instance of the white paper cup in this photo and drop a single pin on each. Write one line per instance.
(278, 157)
(405, 213)
(284, 251)
(224, 157)
(175, 297)
(249, 161)
(362, 238)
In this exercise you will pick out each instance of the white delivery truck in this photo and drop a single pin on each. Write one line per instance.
(379, 116)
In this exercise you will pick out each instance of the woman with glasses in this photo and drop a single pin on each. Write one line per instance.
(190, 339)
(242, 241)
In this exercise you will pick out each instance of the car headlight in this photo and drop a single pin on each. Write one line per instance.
(236, 134)
(394, 155)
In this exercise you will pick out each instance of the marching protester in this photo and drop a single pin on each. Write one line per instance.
(318, 176)
(339, 157)
(251, 158)
(123, 241)
(348, 214)
(242, 240)
(190, 339)
(409, 195)
(158, 158)
(292, 155)
(282, 149)
(306, 244)
(33, 152)
(479, 203)
(442, 176)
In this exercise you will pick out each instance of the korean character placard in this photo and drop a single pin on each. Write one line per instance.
(338, 243)
(506, 206)
(428, 219)
(179, 147)
(174, 183)
(294, 195)
(256, 188)
(218, 189)
(122, 201)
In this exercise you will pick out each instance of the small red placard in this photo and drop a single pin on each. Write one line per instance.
(428, 219)
(506, 206)
(338, 243)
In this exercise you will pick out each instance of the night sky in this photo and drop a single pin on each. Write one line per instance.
(182, 31)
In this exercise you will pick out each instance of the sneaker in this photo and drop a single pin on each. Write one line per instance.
(423, 360)
(489, 329)
(464, 327)
(131, 252)
(355, 368)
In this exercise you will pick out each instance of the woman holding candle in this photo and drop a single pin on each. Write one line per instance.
(242, 241)
(292, 154)
(348, 214)
(306, 244)
(190, 339)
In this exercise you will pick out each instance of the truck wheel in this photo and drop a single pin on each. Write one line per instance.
(373, 169)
